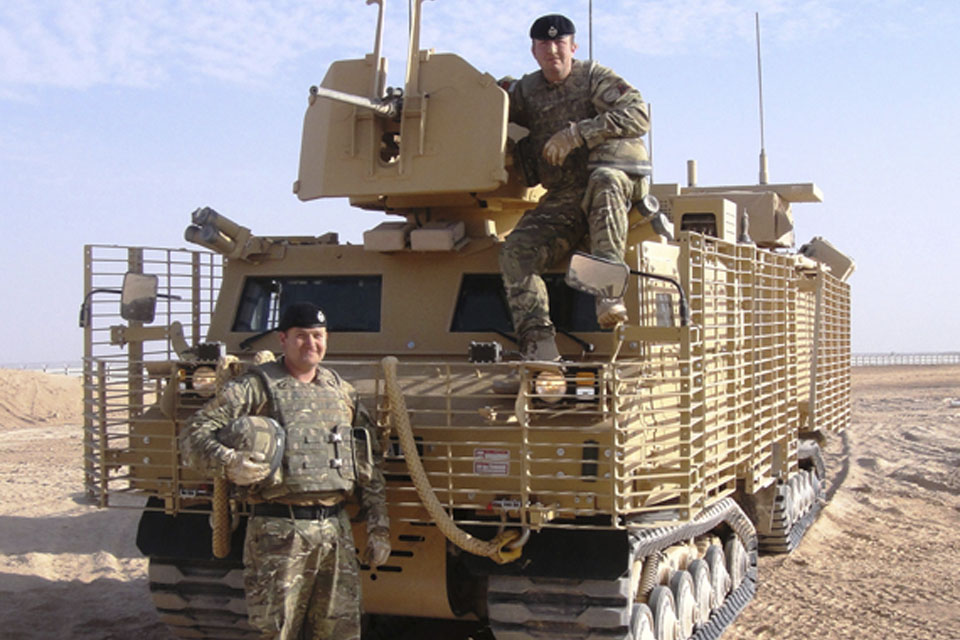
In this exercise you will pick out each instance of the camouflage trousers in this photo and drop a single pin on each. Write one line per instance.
(301, 578)
(550, 232)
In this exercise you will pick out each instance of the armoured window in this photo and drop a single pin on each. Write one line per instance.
(482, 305)
(351, 303)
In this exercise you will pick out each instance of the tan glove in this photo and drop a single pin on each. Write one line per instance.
(245, 468)
(378, 547)
(561, 143)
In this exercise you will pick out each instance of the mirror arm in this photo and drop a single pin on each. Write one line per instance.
(245, 344)
(85, 305)
(684, 306)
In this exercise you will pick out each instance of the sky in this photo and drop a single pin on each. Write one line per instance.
(118, 118)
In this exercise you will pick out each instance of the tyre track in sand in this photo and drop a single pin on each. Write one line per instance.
(881, 562)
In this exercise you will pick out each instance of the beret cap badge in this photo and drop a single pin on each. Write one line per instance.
(552, 27)
(302, 314)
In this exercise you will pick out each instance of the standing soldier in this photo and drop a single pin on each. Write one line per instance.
(584, 145)
(300, 568)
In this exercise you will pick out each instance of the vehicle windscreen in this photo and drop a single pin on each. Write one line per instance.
(482, 305)
(351, 303)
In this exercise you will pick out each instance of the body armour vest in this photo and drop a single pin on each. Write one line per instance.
(319, 454)
(546, 108)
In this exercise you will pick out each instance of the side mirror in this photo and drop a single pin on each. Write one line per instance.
(599, 276)
(138, 300)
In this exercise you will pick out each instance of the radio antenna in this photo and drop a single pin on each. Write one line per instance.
(590, 28)
(764, 176)
(375, 90)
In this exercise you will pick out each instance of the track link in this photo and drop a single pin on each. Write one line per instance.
(525, 608)
(736, 602)
(785, 537)
(786, 527)
(522, 608)
(200, 599)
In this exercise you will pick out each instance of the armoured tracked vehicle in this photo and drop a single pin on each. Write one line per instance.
(625, 494)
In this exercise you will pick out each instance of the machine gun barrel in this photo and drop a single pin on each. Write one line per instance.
(385, 108)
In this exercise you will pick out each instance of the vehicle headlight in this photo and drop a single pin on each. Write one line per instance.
(205, 380)
(550, 386)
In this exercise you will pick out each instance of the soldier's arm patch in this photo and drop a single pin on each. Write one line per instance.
(611, 95)
(614, 93)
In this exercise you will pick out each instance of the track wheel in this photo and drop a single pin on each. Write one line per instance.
(787, 498)
(809, 487)
(796, 491)
(702, 590)
(665, 623)
(685, 601)
(817, 480)
(803, 484)
(641, 623)
(736, 561)
(719, 578)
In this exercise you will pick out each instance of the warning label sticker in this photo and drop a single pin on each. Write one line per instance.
(491, 462)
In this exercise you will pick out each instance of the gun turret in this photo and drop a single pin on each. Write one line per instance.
(441, 137)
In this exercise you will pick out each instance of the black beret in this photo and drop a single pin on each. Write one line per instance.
(551, 27)
(305, 315)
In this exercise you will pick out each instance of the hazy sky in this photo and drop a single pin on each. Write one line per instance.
(117, 119)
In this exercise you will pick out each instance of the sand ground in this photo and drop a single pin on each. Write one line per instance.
(881, 562)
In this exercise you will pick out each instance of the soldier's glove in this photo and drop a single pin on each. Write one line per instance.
(245, 468)
(561, 143)
(378, 547)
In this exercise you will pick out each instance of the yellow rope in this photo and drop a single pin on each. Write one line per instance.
(227, 367)
(221, 519)
(494, 549)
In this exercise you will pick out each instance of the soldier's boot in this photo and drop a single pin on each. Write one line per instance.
(537, 345)
(610, 312)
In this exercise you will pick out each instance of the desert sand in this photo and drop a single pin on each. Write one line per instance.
(881, 562)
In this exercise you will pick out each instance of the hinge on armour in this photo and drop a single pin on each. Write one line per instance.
(335, 437)
(336, 463)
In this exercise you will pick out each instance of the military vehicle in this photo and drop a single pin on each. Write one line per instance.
(623, 494)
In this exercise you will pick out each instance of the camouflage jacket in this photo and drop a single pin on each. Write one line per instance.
(603, 105)
(331, 400)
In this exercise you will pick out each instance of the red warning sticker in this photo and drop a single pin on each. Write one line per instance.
(491, 462)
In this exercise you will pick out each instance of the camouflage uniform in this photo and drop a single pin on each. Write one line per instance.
(578, 200)
(300, 575)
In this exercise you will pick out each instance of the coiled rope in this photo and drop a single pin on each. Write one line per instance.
(495, 549)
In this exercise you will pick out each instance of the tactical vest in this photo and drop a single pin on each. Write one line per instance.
(549, 108)
(320, 452)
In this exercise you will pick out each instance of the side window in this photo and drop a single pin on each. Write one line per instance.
(351, 303)
(482, 305)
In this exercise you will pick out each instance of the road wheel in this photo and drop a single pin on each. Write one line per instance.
(641, 623)
(685, 601)
(665, 623)
(719, 578)
(702, 590)
(736, 561)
